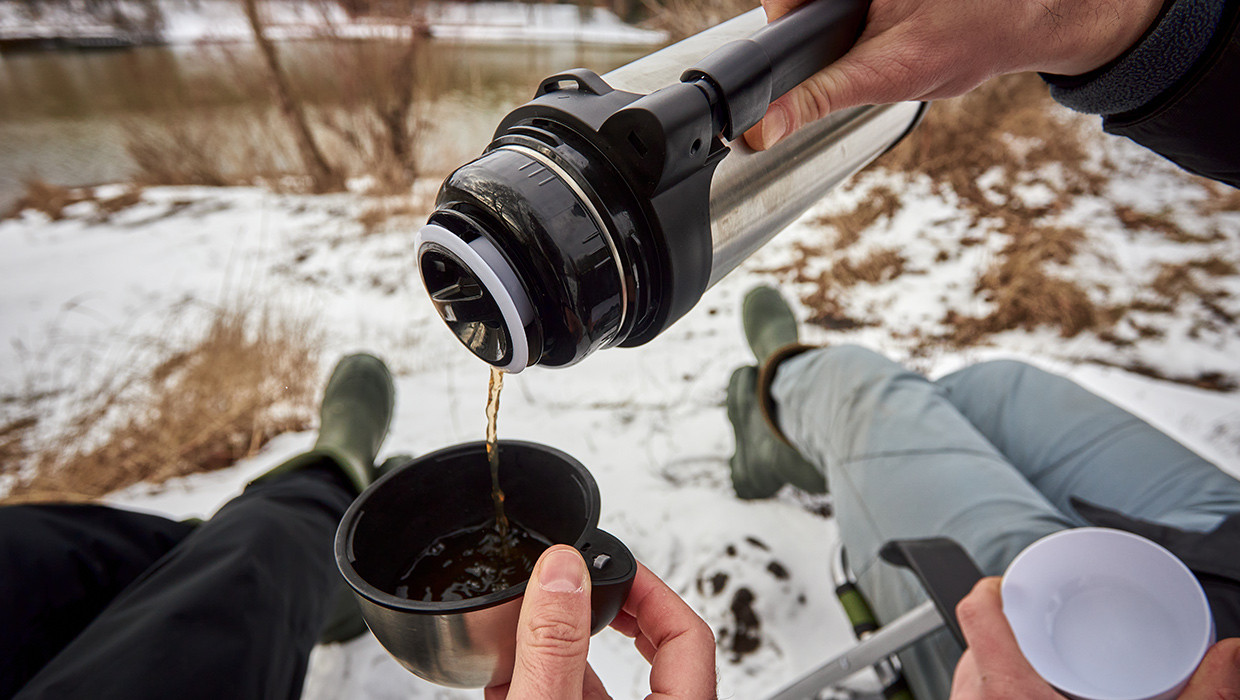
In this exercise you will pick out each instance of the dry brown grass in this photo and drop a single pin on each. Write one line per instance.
(827, 311)
(962, 138)
(682, 18)
(1161, 223)
(982, 153)
(1174, 281)
(881, 265)
(1223, 198)
(372, 129)
(1023, 295)
(1026, 298)
(248, 379)
(47, 198)
(14, 439)
(880, 202)
(382, 210)
(52, 200)
(1005, 124)
(1210, 381)
(176, 152)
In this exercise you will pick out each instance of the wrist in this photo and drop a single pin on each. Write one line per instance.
(1087, 35)
(1163, 56)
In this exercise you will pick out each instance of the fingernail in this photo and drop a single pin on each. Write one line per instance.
(774, 126)
(562, 572)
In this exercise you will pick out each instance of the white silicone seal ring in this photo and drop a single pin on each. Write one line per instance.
(497, 276)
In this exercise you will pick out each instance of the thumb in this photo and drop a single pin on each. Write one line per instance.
(553, 634)
(874, 71)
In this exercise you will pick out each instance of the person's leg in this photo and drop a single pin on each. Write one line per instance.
(231, 612)
(60, 565)
(1069, 442)
(902, 462)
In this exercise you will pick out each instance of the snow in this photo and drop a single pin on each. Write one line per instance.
(88, 296)
(188, 22)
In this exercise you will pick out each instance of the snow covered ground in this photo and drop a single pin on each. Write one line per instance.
(224, 20)
(86, 295)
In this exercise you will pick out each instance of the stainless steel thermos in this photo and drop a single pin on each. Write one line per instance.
(606, 206)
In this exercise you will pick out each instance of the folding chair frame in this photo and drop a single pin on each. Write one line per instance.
(947, 573)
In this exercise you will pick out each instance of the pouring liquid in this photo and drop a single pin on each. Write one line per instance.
(471, 562)
(477, 560)
(495, 385)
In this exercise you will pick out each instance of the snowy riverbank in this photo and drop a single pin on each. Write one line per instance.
(183, 22)
(87, 295)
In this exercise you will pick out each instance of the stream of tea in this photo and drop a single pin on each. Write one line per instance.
(476, 560)
(495, 385)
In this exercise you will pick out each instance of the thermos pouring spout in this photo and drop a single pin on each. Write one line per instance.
(606, 206)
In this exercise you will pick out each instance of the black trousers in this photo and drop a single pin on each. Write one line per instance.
(97, 602)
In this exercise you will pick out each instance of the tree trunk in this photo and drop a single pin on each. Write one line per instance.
(399, 128)
(324, 176)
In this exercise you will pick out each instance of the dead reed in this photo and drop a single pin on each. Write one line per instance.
(682, 18)
(52, 200)
(355, 111)
(248, 378)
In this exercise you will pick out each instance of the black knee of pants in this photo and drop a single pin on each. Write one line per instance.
(60, 566)
(232, 610)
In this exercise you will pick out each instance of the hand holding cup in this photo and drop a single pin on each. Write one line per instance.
(553, 637)
(996, 615)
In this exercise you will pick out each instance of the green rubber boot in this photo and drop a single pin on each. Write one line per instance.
(354, 419)
(764, 461)
(768, 322)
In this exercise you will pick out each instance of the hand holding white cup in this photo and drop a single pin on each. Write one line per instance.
(1104, 614)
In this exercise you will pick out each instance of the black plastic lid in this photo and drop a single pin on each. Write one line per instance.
(519, 262)
(478, 295)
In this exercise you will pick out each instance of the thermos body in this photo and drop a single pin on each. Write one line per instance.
(756, 194)
(606, 206)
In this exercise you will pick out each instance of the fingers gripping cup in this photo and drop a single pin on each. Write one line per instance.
(470, 642)
(1105, 614)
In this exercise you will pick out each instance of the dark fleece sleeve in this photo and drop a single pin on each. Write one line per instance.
(1176, 92)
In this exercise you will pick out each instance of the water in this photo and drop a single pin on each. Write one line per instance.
(65, 116)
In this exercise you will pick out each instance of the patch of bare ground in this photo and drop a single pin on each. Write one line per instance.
(249, 378)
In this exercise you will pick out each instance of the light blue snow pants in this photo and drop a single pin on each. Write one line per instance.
(987, 456)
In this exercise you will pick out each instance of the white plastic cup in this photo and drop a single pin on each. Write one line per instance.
(1104, 614)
